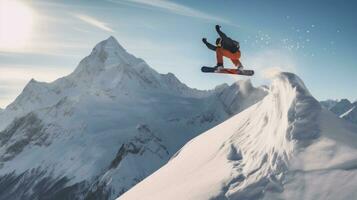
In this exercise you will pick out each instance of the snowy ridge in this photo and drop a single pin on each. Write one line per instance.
(348, 112)
(343, 108)
(351, 115)
(265, 152)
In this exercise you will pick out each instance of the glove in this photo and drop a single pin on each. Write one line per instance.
(218, 27)
(204, 40)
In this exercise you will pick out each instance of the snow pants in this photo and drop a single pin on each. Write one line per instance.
(220, 52)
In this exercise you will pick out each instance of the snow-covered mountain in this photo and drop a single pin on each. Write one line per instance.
(284, 147)
(100, 130)
(342, 108)
(328, 104)
(351, 114)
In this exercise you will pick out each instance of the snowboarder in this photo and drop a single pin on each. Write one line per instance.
(226, 47)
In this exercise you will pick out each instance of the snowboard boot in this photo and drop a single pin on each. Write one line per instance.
(240, 68)
(218, 67)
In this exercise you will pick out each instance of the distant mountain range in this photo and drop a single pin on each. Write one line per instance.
(342, 108)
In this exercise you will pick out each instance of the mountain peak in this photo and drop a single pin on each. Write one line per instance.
(341, 107)
(107, 57)
(345, 101)
(109, 52)
(112, 38)
(110, 44)
(110, 66)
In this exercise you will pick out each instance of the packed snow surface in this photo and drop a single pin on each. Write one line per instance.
(284, 147)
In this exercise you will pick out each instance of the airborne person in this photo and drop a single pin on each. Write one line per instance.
(226, 47)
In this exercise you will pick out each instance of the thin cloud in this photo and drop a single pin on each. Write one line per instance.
(175, 8)
(94, 22)
(49, 48)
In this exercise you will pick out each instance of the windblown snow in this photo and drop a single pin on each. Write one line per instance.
(100, 130)
(284, 147)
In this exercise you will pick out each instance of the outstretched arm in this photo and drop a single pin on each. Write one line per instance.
(220, 33)
(209, 45)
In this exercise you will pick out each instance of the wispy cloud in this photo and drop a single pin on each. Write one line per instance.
(174, 8)
(50, 48)
(94, 22)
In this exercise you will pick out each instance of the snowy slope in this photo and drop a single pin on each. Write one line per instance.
(100, 130)
(343, 108)
(284, 147)
(351, 114)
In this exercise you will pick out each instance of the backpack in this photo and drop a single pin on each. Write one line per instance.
(236, 44)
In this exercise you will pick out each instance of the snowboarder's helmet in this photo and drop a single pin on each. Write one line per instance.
(219, 42)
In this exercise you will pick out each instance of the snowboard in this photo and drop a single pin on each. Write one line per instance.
(243, 72)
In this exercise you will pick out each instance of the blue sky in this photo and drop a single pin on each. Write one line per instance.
(315, 40)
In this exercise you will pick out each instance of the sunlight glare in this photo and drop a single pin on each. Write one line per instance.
(16, 21)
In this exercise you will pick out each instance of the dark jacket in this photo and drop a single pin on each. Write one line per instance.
(226, 43)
